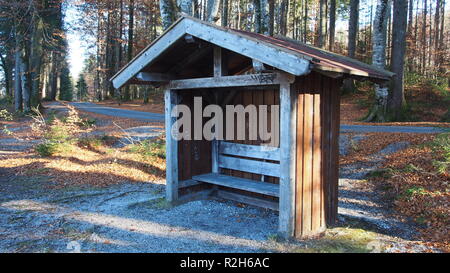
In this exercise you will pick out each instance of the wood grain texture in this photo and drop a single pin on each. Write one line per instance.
(317, 149)
(170, 99)
(239, 183)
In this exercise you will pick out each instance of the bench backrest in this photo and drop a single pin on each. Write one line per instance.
(229, 157)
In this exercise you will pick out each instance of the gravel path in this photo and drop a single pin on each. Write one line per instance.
(124, 113)
(390, 129)
(124, 218)
(94, 108)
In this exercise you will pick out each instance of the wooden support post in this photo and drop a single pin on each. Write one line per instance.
(215, 156)
(288, 127)
(171, 100)
(217, 62)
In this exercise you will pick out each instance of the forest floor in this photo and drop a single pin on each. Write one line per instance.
(101, 189)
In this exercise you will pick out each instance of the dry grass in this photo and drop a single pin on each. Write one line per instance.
(85, 160)
(101, 166)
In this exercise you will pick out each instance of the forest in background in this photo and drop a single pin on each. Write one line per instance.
(409, 37)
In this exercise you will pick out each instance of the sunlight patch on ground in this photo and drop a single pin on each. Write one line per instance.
(126, 224)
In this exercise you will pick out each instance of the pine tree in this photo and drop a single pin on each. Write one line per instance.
(81, 88)
(66, 90)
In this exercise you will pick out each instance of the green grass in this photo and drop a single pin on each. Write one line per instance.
(46, 149)
(441, 145)
(343, 240)
(381, 173)
(150, 148)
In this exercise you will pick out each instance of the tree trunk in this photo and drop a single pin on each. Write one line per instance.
(424, 37)
(271, 17)
(441, 40)
(7, 74)
(213, 10)
(257, 15)
(410, 35)
(332, 24)
(18, 100)
(284, 16)
(186, 7)
(167, 10)
(378, 111)
(24, 81)
(349, 85)
(321, 23)
(353, 27)
(126, 93)
(36, 61)
(399, 25)
(437, 21)
(225, 7)
(265, 16)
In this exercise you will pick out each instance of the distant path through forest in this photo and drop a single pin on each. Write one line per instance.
(148, 116)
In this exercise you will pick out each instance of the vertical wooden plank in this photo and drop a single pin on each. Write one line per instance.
(325, 120)
(215, 143)
(307, 164)
(269, 100)
(215, 156)
(299, 163)
(335, 124)
(317, 170)
(170, 99)
(288, 128)
(217, 61)
(247, 99)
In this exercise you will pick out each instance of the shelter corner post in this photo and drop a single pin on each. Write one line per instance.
(288, 127)
(171, 100)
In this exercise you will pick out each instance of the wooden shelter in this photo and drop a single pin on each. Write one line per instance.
(298, 178)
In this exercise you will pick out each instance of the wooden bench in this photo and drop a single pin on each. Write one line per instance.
(246, 158)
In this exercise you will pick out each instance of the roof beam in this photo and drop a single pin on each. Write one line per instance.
(154, 77)
(233, 81)
(257, 50)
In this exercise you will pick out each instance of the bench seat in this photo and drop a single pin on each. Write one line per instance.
(239, 183)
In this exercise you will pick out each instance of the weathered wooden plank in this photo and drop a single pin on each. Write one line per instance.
(299, 163)
(188, 183)
(317, 160)
(171, 100)
(215, 156)
(247, 99)
(217, 62)
(253, 151)
(166, 40)
(254, 49)
(154, 77)
(240, 198)
(263, 79)
(307, 165)
(335, 122)
(325, 121)
(239, 183)
(288, 127)
(250, 166)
